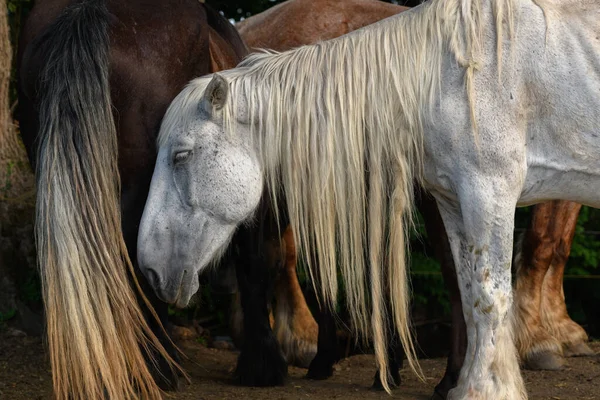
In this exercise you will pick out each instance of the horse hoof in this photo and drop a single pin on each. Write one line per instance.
(317, 374)
(319, 369)
(580, 349)
(261, 364)
(544, 360)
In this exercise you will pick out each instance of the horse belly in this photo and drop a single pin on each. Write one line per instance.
(545, 184)
(561, 91)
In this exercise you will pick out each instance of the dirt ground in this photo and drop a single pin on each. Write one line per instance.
(25, 375)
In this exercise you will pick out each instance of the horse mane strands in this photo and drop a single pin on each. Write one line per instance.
(340, 127)
(339, 130)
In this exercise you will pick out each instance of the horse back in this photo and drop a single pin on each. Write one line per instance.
(301, 22)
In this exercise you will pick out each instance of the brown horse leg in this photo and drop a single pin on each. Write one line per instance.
(321, 367)
(293, 324)
(537, 348)
(295, 328)
(236, 320)
(257, 253)
(458, 339)
(554, 316)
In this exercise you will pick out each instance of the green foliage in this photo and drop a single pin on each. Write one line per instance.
(17, 12)
(428, 290)
(585, 251)
(30, 288)
(15, 6)
(202, 340)
(5, 317)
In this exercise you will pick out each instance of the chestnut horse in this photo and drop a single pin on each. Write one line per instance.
(95, 78)
(545, 333)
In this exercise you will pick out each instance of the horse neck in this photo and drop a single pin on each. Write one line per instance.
(381, 65)
(384, 78)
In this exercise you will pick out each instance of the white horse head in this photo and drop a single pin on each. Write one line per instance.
(205, 184)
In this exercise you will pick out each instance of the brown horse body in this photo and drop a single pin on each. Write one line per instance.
(78, 61)
(300, 22)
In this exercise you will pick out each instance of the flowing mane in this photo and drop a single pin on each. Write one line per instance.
(338, 126)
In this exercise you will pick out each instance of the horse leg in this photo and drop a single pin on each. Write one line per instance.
(260, 362)
(458, 334)
(295, 328)
(436, 233)
(321, 367)
(554, 315)
(538, 348)
(480, 232)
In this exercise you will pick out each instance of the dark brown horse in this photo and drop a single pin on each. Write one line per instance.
(95, 78)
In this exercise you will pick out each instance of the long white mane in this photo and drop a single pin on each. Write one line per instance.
(339, 129)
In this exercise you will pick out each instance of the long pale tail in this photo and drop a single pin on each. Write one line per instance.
(96, 330)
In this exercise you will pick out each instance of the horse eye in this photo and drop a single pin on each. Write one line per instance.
(181, 156)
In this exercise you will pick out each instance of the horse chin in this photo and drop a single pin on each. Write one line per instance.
(183, 302)
(180, 296)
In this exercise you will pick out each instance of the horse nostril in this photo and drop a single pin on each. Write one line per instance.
(152, 278)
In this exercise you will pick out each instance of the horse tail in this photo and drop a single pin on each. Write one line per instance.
(97, 334)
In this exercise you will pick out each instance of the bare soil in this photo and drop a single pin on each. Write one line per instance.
(25, 375)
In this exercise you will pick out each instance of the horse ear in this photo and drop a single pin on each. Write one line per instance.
(216, 93)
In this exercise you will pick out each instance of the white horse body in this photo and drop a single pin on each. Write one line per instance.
(563, 141)
(537, 137)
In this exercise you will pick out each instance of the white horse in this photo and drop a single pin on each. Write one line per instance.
(489, 103)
